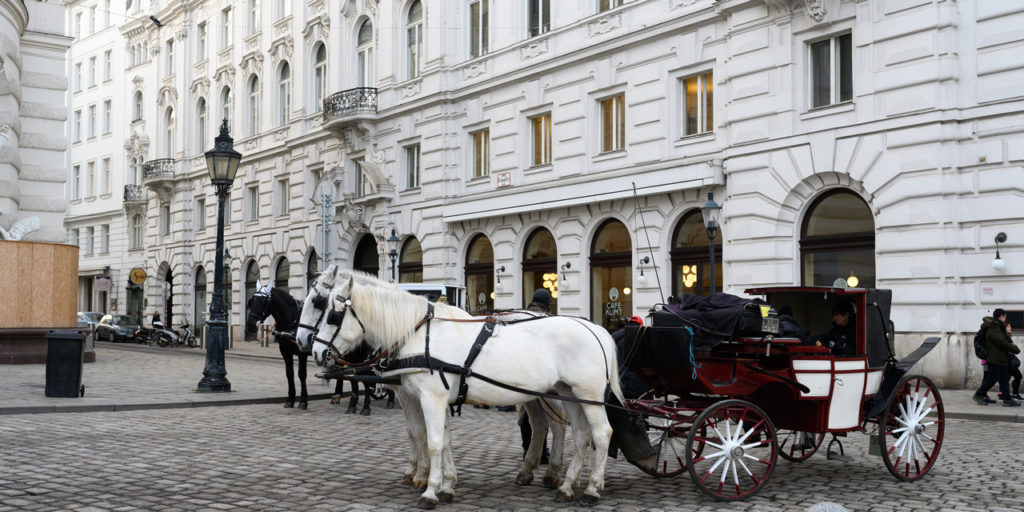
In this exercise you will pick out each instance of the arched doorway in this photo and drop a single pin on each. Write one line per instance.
(540, 267)
(691, 257)
(281, 275)
(480, 275)
(611, 275)
(252, 274)
(367, 259)
(168, 292)
(199, 314)
(837, 241)
(312, 269)
(410, 262)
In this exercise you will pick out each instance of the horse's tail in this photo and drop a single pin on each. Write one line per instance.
(613, 374)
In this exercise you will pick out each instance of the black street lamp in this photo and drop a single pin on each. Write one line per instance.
(393, 251)
(710, 212)
(222, 162)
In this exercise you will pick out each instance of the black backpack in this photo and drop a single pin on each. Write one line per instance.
(980, 345)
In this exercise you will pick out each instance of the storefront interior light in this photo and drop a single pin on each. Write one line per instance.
(852, 281)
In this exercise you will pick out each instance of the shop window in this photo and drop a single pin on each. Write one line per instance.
(367, 259)
(410, 262)
(691, 257)
(837, 241)
(540, 267)
(611, 277)
(480, 275)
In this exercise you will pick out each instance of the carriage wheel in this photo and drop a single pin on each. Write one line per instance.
(740, 451)
(911, 428)
(668, 438)
(379, 392)
(796, 446)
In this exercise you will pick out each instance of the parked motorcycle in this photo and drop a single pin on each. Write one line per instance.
(165, 337)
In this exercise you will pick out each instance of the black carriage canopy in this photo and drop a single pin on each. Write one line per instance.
(668, 344)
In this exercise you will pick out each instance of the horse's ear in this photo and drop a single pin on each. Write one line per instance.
(258, 285)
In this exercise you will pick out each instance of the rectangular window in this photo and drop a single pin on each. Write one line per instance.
(412, 166)
(252, 195)
(169, 63)
(76, 182)
(363, 185)
(698, 104)
(200, 214)
(92, 71)
(107, 105)
(78, 25)
(541, 127)
(201, 42)
(481, 153)
(106, 13)
(283, 191)
(90, 185)
(225, 28)
(283, 7)
(90, 240)
(414, 34)
(78, 126)
(76, 237)
(604, 5)
(107, 65)
(478, 28)
(613, 123)
(254, 16)
(105, 184)
(832, 71)
(135, 235)
(105, 239)
(78, 76)
(165, 220)
(92, 121)
(540, 16)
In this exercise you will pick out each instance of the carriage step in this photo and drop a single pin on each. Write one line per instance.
(834, 455)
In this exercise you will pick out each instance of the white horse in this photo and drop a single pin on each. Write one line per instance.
(570, 355)
(418, 466)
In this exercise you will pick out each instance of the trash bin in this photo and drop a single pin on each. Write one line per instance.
(65, 352)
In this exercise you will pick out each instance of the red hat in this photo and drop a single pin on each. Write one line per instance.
(635, 320)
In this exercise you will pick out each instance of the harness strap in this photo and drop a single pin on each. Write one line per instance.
(485, 333)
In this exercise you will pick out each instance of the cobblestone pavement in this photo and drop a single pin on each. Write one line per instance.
(265, 457)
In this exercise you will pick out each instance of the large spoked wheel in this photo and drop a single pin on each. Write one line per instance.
(796, 446)
(668, 437)
(911, 428)
(739, 451)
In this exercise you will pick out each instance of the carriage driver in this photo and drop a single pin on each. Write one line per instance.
(841, 339)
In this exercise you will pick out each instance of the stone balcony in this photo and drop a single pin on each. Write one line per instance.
(353, 107)
(158, 175)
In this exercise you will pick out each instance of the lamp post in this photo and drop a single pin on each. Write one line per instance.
(710, 212)
(393, 251)
(222, 162)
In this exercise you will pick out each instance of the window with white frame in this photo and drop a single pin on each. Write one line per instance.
(364, 55)
(78, 126)
(92, 71)
(225, 104)
(135, 232)
(283, 8)
(165, 219)
(107, 106)
(78, 76)
(92, 121)
(283, 191)
(78, 25)
(481, 153)
(225, 28)
(363, 185)
(319, 77)
(76, 182)
(200, 214)
(252, 200)
(604, 5)
(137, 110)
(254, 16)
(831, 70)
(539, 20)
(613, 123)
(479, 27)
(541, 128)
(169, 126)
(107, 65)
(698, 104)
(254, 106)
(201, 125)
(105, 182)
(75, 237)
(90, 240)
(284, 94)
(104, 238)
(414, 40)
(90, 184)
(412, 166)
(169, 57)
(201, 42)
(106, 13)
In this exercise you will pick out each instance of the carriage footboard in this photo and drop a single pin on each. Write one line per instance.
(629, 436)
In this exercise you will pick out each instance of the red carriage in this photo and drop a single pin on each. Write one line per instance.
(724, 406)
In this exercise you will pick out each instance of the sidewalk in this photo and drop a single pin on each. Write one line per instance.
(128, 376)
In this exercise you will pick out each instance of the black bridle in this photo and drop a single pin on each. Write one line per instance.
(335, 318)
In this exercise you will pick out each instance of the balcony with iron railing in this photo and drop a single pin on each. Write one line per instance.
(158, 175)
(346, 108)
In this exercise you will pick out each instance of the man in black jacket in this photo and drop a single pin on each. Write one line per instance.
(841, 339)
(998, 361)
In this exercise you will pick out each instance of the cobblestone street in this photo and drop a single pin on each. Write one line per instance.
(264, 457)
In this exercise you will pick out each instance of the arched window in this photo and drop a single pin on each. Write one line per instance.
(540, 266)
(611, 277)
(480, 275)
(282, 274)
(367, 259)
(252, 274)
(837, 241)
(312, 269)
(135, 235)
(691, 257)
(254, 105)
(199, 314)
(201, 141)
(410, 262)
(414, 40)
(364, 55)
(225, 104)
(319, 77)
(169, 132)
(284, 94)
(137, 112)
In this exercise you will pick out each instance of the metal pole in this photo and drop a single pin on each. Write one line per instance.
(711, 238)
(325, 223)
(214, 374)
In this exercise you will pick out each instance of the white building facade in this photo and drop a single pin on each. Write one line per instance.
(510, 146)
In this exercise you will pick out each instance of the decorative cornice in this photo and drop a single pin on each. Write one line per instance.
(604, 25)
(474, 70)
(317, 29)
(282, 50)
(676, 4)
(201, 87)
(534, 49)
(815, 9)
(252, 63)
(168, 95)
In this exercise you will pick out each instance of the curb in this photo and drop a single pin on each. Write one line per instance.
(48, 409)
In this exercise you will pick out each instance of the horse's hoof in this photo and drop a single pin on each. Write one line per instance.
(426, 504)
(351, 410)
(336, 399)
(563, 497)
(524, 480)
(390, 405)
(589, 501)
(551, 482)
(365, 412)
(303, 405)
(407, 479)
(445, 497)
(289, 404)
(420, 486)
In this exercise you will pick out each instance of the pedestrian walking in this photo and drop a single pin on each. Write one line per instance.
(1000, 349)
(1015, 375)
(541, 303)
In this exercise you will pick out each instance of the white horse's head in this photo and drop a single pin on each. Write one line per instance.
(313, 308)
(339, 331)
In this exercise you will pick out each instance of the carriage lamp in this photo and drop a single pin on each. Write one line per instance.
(710, 212)
(497, 281)
(852, 281)
(643, 261)
(393, 251)
(998, 263)
(222, 162)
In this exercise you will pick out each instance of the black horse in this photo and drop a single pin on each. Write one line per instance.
(361, 354)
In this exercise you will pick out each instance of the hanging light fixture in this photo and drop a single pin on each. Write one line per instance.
(497, 281)
(998, 263)
(643, 261)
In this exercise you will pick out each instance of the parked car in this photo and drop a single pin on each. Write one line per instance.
(116, 328)
(89, 319)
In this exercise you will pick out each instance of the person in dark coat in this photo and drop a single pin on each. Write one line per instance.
(1015, 375)
(998, 361)
(841, 339)
(630, 383)
(788, 326)
(541, 303)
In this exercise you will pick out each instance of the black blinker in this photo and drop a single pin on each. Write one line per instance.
(335, 317)
(320, 302)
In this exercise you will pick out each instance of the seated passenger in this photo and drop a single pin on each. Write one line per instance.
(788, 326)
(841, 339)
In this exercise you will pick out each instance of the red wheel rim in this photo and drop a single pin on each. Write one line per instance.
(738, 453)
(912, 429)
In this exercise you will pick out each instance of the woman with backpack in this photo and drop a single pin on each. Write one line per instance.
(998, 359)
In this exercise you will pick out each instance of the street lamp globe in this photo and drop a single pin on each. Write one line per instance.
(710, 212)
(393, 251)
(222, 161)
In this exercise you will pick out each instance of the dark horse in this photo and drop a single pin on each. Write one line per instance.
(269, 301)
(361, 354)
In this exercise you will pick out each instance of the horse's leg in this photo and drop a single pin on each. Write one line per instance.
(353, 400)
(417, 467)
(581, 436)
(289, 373)
(449, 477)
(367, 398)
(557, 443)
(435, 410)
(600, 435)
(338, 390)
(391, 400)
(304, 396)
(538, 427)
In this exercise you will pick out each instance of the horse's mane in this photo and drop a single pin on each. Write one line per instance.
(392, 312)
(286, 306)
